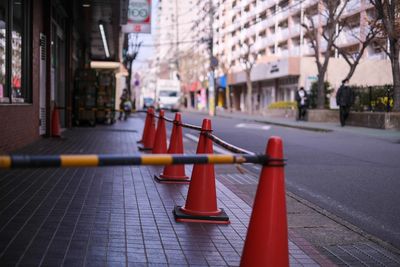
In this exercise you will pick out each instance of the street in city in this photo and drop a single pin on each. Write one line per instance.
(200, 133)
(353, 175)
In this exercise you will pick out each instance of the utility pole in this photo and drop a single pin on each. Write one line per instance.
(212, 92)
(177, 35)
(129, 58)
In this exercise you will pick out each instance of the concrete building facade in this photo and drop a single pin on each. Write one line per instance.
(285, 60)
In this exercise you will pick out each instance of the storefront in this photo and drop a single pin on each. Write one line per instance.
(221, 89)
(271, 82)
(18, 92)
(42, 42)
(15, 52)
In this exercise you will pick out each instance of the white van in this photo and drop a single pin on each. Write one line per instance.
(168, 95)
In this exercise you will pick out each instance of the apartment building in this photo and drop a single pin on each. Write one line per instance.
(284, 57)
(173, 35)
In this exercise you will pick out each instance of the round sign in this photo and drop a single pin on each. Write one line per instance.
(139, 11)
(214, 62)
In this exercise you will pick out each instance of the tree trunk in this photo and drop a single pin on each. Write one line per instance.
(249, 93)
(351, 71)
(394, 51)
(228, 98)
(321, 90)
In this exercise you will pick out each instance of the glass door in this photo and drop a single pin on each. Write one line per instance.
(58, 83)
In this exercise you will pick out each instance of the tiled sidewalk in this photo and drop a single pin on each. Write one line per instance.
(112, 216)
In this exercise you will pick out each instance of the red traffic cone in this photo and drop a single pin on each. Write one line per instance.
(146, 126)
(201, 201)
(174, 173)
(267, 235)
(148, 141)
(55, 123)
(160, 141)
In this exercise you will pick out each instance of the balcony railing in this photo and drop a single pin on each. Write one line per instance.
(262, 25)
(271, 38)
(352, 7)
(349, 36)
(295, 51)
(261, 6)
(235, 39)
(283, 52)
(307, 3)
(295, 30)
(307, 50)
(252, 30)
(377, 56)
(282, 34)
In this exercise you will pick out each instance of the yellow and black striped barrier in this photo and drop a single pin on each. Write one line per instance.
(30, 161)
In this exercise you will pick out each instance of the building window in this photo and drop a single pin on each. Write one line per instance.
(3, 50)
(14, 50)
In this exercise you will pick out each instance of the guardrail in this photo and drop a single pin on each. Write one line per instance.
(103, 160)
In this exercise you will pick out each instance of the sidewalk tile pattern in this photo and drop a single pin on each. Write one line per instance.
(115, 216)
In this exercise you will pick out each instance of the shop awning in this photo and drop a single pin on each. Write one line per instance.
(195, 86)
(221, 82)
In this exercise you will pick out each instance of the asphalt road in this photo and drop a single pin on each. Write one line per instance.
(353, 176)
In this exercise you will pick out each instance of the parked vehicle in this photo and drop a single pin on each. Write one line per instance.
(148, 102)
(168, 95)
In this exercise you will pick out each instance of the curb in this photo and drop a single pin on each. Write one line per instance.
(345, 223)
(302, 127)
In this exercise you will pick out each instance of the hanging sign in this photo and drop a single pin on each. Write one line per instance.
(139, 17)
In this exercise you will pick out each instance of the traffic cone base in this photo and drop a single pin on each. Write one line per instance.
(142, 148)
(180, 216)
(201, 200)
(172, 179)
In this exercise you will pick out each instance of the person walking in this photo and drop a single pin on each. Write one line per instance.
(344, 99)
(302, 103)
(125, 105)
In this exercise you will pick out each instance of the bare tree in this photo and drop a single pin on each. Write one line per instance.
(248, 59)
(193, 66)
(225, 68)
(332, 11)
(388, 12)
(353, 59)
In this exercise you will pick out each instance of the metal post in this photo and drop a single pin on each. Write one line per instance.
(370, 97)
(212, 84)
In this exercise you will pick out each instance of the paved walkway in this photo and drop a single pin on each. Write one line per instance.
(115, 216)
(119, 216)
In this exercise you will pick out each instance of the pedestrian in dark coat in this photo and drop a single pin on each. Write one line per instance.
(302, 103)
(344, 99)
(125, 105)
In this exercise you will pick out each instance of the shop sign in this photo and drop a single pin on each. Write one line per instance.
(265, 71)
(139, 17)
(309, 81)
(277, 69)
